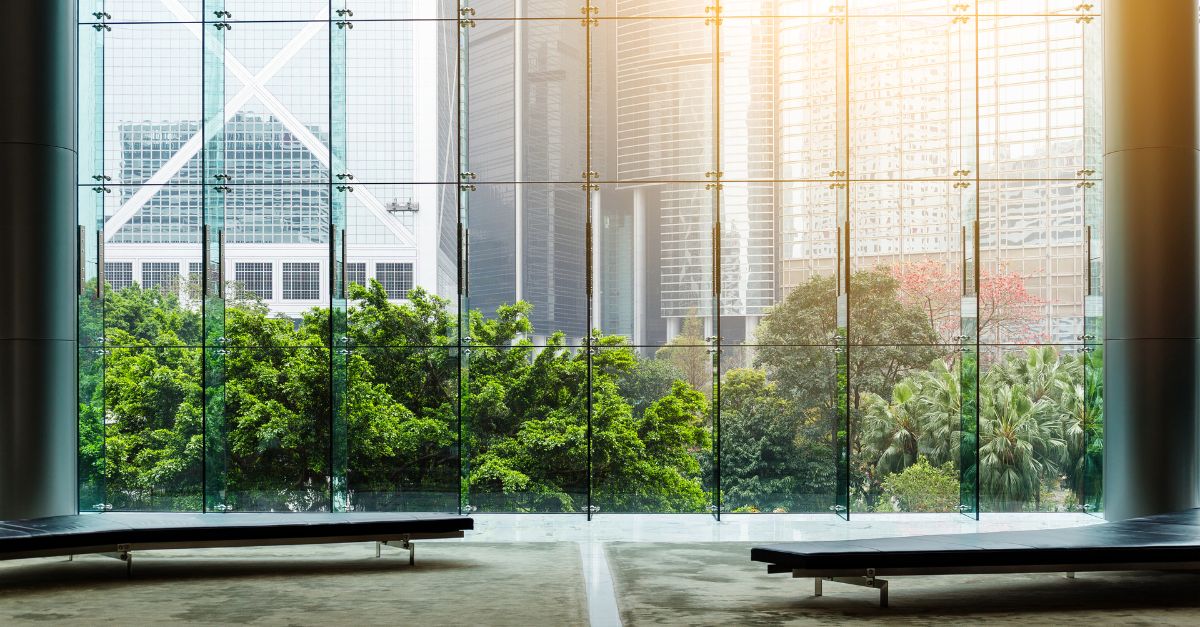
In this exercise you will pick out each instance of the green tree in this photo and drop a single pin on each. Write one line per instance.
(923, 487)
(769, 460)
(888, 340)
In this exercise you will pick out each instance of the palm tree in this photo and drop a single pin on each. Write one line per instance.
(941, 407)
(893, 430)
(1081, 409)
(1039, 369)
(1019, 438)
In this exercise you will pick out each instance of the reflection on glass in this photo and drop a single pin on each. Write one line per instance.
(277, 411)
(1038, 428)
(652, 444)
(527, 411)
(402, 430)
(771, 256)
(153, 428)
(779, 434)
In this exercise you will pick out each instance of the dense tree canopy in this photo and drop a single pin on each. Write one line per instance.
(522, 427)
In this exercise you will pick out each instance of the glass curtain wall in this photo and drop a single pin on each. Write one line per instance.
(590, 257)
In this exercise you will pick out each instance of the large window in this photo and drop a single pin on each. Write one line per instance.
(396, 278)
(301, 281)
(255, 278)
(119, 274)
(163, 275)
(651, 256)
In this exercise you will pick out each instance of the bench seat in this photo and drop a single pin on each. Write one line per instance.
(121, 533)
(1163, 542)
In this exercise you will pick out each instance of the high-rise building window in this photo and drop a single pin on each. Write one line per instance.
(356, 273)
(301, 280)
(396, 278)
(255, 278)
(118, 274)
(162, 275)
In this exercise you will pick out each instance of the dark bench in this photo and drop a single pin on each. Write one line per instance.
(1163, 542)
(120, 534)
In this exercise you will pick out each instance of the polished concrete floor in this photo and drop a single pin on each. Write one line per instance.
(564, 570)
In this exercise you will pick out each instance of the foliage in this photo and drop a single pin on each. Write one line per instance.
(518, 413)
(525, 407)
(923, 487)
(1008, 312)
(777, 454)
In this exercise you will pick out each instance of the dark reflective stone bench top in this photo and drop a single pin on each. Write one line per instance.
(90, 530)
(1166, 538)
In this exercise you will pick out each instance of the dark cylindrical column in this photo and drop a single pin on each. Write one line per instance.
(1151, 258)
(38, 260)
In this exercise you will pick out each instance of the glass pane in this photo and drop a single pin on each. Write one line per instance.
(525, 422)
(92, 492)
(154, 417)
(652, 263)
(277, 248)
(276, 10)
(527, 248)
(1039, 7)
(1033, 262)
(152, 110)
(810, 100)
(779, 429)
(908, 247)
(1032, 97)
(652, 429)
(277, 416)
(151, 265)
(400, 101)
(912, 98)
(748, 266)
(148, 10)
(403, 430)
(509, 9)
(652, 99)
(968, 442)
(660, 9)
(366, 10)
(1033, 422)
(1090, 424)
(904, 7)
(526, 109)
(277, 107)
(906, 408)
(405, 238)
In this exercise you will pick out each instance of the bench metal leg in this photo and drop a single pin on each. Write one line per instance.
(403, 544)
(869, 581)
(124, 554)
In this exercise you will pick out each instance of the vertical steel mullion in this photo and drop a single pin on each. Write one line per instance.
(846, 340)
(978, 292)
(463, 370)
(331, 361)
(589, 267)
(716, 346)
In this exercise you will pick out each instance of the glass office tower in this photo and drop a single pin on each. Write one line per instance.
(532, 255)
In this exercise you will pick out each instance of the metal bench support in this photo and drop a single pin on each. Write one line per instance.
(125, 554)
(868, 581)
(404, 544)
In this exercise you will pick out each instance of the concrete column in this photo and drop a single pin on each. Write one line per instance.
(38, 260)
(1151, 260)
